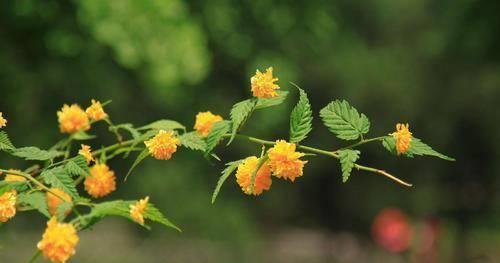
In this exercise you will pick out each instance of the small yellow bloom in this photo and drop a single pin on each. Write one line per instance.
(244, 176)
(54, 200)
(402, 135)
(137, 210)
(3, 122)
(285, 161)
(163, 145)
(86, 152)
(72, 119)
(8, 205)
(205, 121)
(101, 181)
(263, 84)
(58, 241)
(95, 111)
(13, 177)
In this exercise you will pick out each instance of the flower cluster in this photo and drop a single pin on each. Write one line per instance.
(137, 210)
(402, 135)
(101, 181)
(163, 145)
(263, 84)
(55, 198)
(59, 241)
(73, 119)
(7, 205)
(282, 161)
(205, 121)
(3, 122)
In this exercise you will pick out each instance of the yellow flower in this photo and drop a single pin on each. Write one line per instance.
(163, 145)
(58, 241)
(13, 177)
(244, 176)
(285, 161)
(101, 181)
(402, 135)
(95, 111)
(54, 200)
(263, 84)
(86, 152)
(72, 119)
(137, 210)
(205, 121)
(7, 205)
(3, 122)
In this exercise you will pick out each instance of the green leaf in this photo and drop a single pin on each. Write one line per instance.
(219, 129)
(5, 143)
(59, 178)
(240, 112)
(348, 158)
(417, 147)
(63, 210)
(231, 166)
(389, 143)
(301, 118)
(99, 211)
(34, 153)
(37, 200)
(18, 186)
(265, 103)
(193, 141)
(82, 136)
(122, 208)
(153, 214)
(138, 160)
(167, 125)
(128, 127)
(344, 120)
(77, 166)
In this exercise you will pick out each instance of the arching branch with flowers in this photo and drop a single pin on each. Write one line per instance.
(51, 185)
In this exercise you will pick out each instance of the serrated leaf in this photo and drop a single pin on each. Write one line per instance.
(34, 153)
(239, 114)
(193, 141)
(417, 147)
(122, 208)
(82, 136)
(231, 166)
(59, 178)
(112, 208)
(167, 125)
(389, 144)
(77, 166)
(36, 200)
(219, 129)
(269, 102)
(5, 143)
(152, 213)
(348, 158)
(140, 157)
(301, 118)
(128, 127)
(18, 186)
(344, 120)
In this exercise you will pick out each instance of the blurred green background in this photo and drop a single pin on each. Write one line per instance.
(434, 64)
